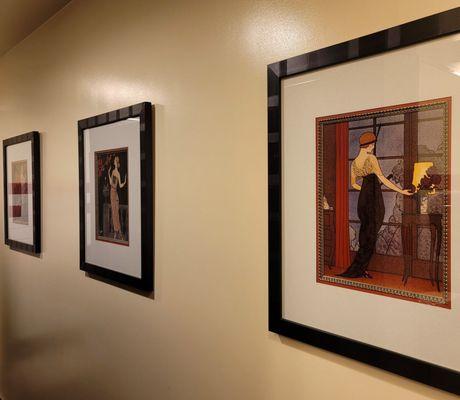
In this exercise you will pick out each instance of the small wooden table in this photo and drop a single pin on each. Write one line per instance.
(409, 232)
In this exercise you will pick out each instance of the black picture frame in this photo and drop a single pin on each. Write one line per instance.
(421, 30)
(145, 112)
(35, 248)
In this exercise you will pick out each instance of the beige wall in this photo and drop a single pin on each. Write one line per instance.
(66, 336)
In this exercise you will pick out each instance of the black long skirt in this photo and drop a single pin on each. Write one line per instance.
(371, 211)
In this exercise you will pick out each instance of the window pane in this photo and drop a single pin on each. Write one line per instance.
(393, 207)
(354, 236)
(390, 141)
(395, 168)
(390, 118)
(389, 241)
(435, 113)
(360, 122)
(430, 136)
(423, 243)
(353, 205)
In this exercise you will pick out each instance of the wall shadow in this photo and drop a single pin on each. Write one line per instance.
(365, 369)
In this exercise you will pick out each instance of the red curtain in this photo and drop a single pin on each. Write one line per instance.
(342, 233)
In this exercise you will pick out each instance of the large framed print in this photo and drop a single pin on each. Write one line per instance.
(364, 199)
(116, 167)
(21, 189)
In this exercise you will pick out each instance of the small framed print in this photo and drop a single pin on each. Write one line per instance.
(116, 167)
(364, 199)
(21, 188)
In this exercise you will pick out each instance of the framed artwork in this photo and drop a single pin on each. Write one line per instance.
(363, 200)
(377, 237)
(116, 167)
(21, 189)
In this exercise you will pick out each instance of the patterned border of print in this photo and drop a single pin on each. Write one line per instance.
(444, 300)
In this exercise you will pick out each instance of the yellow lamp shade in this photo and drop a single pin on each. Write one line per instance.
(420, 171)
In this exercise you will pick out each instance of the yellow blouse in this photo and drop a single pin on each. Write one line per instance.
(366, 169)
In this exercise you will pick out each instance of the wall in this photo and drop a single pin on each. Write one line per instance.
(204, 336)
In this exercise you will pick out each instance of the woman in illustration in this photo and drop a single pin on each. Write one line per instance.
(115, 181)
(371, 208)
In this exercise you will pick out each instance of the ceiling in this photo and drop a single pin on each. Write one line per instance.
(19, 18)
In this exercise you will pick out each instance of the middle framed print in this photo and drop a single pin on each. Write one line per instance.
(116, 167)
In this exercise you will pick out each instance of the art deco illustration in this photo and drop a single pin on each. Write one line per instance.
(20, 192)
(383, 201)
(112, 204)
